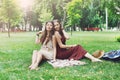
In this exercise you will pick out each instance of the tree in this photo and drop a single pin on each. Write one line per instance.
(74, 12)
(55, 8)
(45, 16)
(10, 14)
(42, 10)
(113, 16)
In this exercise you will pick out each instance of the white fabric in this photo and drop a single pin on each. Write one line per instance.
(64, 63)
(47, 50)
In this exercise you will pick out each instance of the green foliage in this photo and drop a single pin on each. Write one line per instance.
(43, 11)
(9, 11)
(45, 16)
(96, 20)
(74, 12)
(80, 13)
(93, 13)
(113, 17)
(50, 9)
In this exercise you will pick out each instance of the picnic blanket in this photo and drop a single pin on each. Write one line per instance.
(64, 63)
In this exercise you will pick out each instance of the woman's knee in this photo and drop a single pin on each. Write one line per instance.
(40, 55)
(35, 52)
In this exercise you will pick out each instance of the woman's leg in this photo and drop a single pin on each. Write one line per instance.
(34, 58)
(93, 59)
(38, 60)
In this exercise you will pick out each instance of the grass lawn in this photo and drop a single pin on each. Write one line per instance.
(16, 52)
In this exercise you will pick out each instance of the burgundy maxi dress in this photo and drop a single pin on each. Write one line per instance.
(75, 53)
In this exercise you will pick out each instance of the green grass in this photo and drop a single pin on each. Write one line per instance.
(16, 52)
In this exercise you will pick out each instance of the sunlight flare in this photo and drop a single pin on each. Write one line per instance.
(25, 3)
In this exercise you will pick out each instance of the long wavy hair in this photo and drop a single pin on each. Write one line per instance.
(61, 28)
(44, 34)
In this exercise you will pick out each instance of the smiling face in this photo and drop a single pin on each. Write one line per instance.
(47, 32)
(49, 26)
(57, 25)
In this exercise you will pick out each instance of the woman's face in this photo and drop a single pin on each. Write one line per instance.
(49, 26)
(57, 26)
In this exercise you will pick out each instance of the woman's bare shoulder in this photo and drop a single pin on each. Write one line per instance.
(57, 33)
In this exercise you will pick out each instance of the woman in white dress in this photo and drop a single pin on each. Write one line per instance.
(48, 48)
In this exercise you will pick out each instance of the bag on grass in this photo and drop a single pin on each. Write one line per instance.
(113, 55)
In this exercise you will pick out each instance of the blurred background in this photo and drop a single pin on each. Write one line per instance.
(75, 15)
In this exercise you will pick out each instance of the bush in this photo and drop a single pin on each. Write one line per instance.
(118, 38)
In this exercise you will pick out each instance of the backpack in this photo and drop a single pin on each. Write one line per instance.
(113, 55)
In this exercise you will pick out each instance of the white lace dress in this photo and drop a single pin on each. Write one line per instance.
(47, 50)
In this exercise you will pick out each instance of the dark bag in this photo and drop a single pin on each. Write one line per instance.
(113, 55)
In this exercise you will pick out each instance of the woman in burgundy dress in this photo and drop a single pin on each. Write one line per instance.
(71, 52)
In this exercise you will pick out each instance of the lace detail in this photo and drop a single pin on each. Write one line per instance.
(48, 46)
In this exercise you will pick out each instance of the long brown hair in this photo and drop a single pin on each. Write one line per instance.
(44, 34)
(61, 28)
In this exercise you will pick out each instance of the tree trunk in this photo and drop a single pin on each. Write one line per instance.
(3, 28)
(30, 28)
(71, 30)
(25, 26)
(106, 12)
(64, 18)
(22, 27)
(119, 26)
(74, 28)
(9, 28)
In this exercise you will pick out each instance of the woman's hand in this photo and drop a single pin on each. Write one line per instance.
(38, 33)
(74, 45)
(54, 60)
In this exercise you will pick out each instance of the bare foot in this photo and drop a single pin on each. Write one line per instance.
(96, 60)
(34, 67)
(30, 66)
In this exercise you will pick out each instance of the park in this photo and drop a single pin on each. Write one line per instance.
(93, 24)
(15, 57)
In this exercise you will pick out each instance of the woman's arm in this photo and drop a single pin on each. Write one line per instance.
(65, 34)
(58, 36)
(54, 47)
(40, 32)
(37, 40)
